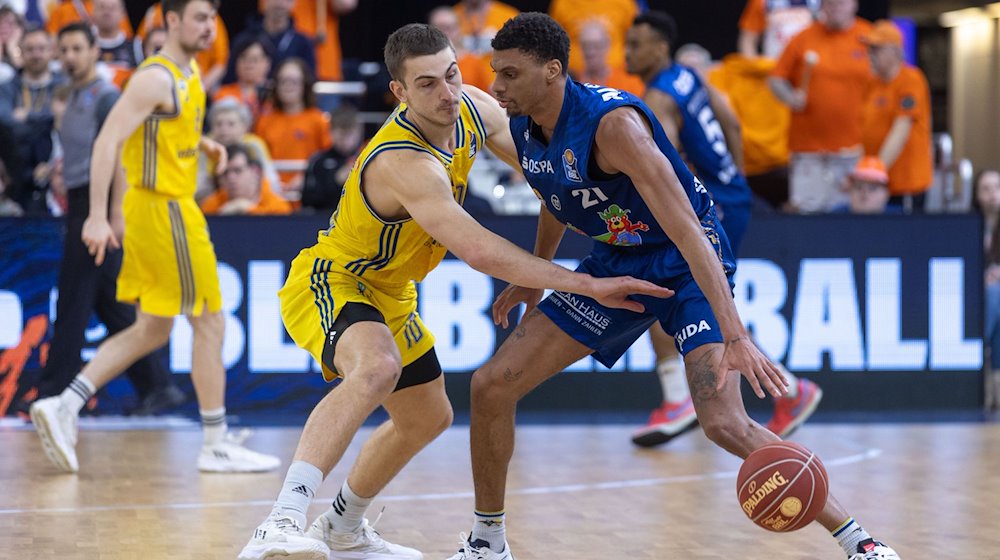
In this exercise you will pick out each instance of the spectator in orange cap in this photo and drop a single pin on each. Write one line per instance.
(867, 190)
(896, 123)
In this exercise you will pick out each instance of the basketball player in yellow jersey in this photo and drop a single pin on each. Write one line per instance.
(169, 266)
(350, 299)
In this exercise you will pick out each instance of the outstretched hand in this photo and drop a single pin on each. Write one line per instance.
(614, 292)
(743, 356)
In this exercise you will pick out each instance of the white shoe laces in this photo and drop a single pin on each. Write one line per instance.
(238, 437)
(284, 522)
(466, 552)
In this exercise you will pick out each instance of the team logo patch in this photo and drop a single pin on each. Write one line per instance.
(555, 202)
(569, 166)
(621, 230)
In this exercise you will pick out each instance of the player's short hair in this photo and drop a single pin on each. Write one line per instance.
(177, 6)
(660, 22)
(79, 27)
(410, 41)
(536, 34)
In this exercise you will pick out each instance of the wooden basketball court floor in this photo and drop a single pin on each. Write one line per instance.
(582, 492)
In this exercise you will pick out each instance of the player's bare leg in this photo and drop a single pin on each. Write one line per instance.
(726, 423)
(534, 352)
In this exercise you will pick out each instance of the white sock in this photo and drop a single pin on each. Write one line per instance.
(793, 382)
(849, 534)
(213, 425)
(673, 380)
(490, 527)
(301, 483)
(348, 510)
(75, 397)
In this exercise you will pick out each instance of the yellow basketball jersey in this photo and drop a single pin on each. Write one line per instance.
(162, 154)
(395, 252)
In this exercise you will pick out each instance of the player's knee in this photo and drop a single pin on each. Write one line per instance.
(431, 424)
(154, 331)
(489, 385)
(377, 375)
(727, 430)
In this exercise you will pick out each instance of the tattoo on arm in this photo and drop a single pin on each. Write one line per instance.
(703, 377)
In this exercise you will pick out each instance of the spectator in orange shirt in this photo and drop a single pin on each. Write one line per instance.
(595, 44)
(822, 76)
(253, 65)
(295, 129)
(617, 15)
(242, 189)
(897, 118)
(212, 61)
(479, 21)
(72, 11)
(769, 26)
(475, 69)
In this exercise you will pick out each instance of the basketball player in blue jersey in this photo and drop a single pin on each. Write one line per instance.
(702, 126)
(350, 299)
(603, 166)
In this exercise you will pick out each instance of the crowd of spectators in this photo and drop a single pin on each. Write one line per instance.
(815, 88)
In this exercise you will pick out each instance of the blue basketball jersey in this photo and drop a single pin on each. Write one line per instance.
(606, 208)
(701, 136)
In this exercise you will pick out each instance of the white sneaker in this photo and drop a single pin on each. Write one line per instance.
(279, 536)
(480, 550)
(870, 549)
(57, 428)
(364, 543)
(229, 456)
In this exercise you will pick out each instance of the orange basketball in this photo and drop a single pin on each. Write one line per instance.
(782, 486)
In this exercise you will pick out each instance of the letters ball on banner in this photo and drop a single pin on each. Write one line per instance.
(782, 486)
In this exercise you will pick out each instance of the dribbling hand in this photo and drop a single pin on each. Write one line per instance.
(743, 356)
(98, 237)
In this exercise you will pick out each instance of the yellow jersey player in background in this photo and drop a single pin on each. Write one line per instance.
(169, 265)
(350, 299)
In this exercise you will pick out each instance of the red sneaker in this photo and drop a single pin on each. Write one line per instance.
(791, 412)
(665, 423)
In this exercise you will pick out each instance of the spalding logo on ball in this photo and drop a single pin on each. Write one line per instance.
(782, 486)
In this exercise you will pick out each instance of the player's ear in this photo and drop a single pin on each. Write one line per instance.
(553, 69)
(398, 89)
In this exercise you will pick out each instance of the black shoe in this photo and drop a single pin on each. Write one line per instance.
(159, 401)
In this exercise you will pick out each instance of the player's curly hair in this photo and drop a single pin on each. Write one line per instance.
(537, 34)
(662, 23)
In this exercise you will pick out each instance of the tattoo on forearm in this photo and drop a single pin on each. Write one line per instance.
(512, 376)
(703, 377)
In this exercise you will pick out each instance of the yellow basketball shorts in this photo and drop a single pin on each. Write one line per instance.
(169, 266)
(317, 289)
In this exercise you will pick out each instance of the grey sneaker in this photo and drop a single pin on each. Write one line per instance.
(364, 543)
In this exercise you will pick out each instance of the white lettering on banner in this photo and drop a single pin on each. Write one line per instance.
(235, 337)
(826, 317)
(11, 319)
(454, 304)
(760, 293)
(268, 351)
(949, 347)
(886, 348)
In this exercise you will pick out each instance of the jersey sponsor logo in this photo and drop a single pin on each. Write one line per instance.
(187, 154)
(684, 82)
(621, 230)
(689, 331)
(556, 203)
(569, 166)
(537, 167)
(473, 144)
(527, 135)
(583, 312)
